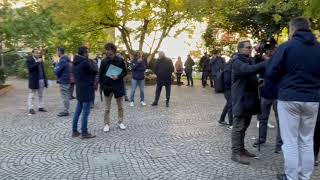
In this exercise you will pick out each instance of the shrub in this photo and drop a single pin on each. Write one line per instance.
(22, 70)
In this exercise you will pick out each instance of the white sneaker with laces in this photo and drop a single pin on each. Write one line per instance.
(143, 103)
(122, 126)
(270, 126)
(131, 104)
(106, 128)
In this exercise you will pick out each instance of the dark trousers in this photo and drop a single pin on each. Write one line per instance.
(71, 89)
(189, 78)
(240, 126)
(227, 107)
(205, 76)
(316, 137)
(279, 139)
(179, 78)
(158, 91)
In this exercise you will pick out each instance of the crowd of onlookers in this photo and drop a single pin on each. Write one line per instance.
(284, 77)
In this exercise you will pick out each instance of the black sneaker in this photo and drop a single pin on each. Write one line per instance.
(32, 112)
(75, 134)
(87, 136)
(167, 104)
(256, 144)
(277, 150)
(248, 154)
(126, 99)
(240, 159)
(42, 110)
(62, 114)
(223, 123)
(281, 177)
(154, 104)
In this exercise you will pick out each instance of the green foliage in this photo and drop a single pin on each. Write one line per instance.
(49, 69)
(22, 71)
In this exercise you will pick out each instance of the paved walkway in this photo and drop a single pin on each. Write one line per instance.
(182, 142)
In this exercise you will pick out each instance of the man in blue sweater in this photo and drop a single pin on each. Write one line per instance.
(62, 71)
(296, 68)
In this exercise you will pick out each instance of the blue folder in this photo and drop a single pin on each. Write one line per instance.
(113, 71)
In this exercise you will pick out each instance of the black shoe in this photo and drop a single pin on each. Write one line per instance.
(223, 123)
(277, 150)
(126, 99)
(281, 177)
(72, 97)
(42, 110)
(240, 159)
(87, 136)
(188, 85)
(75, 134)
(167, 104)
(256, 144)
(248, 154)
(32, 112)
(62, 114)
(154, 104)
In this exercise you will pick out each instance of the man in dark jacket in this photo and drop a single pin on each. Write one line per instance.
(205, 68)
(295, 66)
(138, 69)
(37, 80)
(84, 69)
(163, 69)
(188, 70)
(112, 85)
(227, 94)
(216, 66)
(62, 71)
(245, 99)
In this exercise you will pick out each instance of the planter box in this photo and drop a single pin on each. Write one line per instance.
(5, 89)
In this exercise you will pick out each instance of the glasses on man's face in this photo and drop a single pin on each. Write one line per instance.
(248, 47)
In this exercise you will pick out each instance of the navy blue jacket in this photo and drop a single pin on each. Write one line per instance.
(84, 70)
(164, 69)
(138, 69)
(216, 65)
(296, 66)
(244, 89)
(33, 69)
(227, 75)
(269, 88)
(109, 85)
(62, 70)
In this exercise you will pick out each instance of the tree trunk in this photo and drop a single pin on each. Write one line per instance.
(143, 33)
(125, 38)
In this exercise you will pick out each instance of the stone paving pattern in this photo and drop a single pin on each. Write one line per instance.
(182, 142)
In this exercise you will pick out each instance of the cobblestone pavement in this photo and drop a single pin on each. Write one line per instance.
(182, 142)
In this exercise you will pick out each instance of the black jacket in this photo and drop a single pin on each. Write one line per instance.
(109, 85)
(244, 89)
(216, 65)
(205, 64)
(296, 66)
(33, 69)
(84, 71)
(188, 65)
(227, 72)
(164, 69)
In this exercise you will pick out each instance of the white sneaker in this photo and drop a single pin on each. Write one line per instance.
(258, 124)
(106, 128)
(270, 126)
(143, 103)
(121, 126)
(131, 104)
(230, 127)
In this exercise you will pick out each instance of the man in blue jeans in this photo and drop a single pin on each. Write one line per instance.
(84, 70)
(138, 69)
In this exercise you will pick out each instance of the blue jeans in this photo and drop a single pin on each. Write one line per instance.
(134, 84)
(83, 107)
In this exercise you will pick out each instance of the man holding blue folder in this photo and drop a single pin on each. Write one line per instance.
(111, 75)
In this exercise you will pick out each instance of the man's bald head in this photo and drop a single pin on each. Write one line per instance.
(161, 54)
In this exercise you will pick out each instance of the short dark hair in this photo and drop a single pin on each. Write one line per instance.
(35, 49)
(82, 50)
(110, 46)
(61, 50)
(241, 43)
(300, 24)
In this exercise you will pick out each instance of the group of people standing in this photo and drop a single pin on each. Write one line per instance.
(288, 78)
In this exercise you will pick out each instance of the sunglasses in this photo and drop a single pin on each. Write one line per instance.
(248, 47)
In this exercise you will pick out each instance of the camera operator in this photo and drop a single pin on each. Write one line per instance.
(268, 95)
(245, 99)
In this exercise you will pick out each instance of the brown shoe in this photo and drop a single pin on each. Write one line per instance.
(240, 159)
(75, 134)
(87, 136)
(248, 154)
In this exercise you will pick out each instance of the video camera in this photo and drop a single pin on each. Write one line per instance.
(263, 47)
